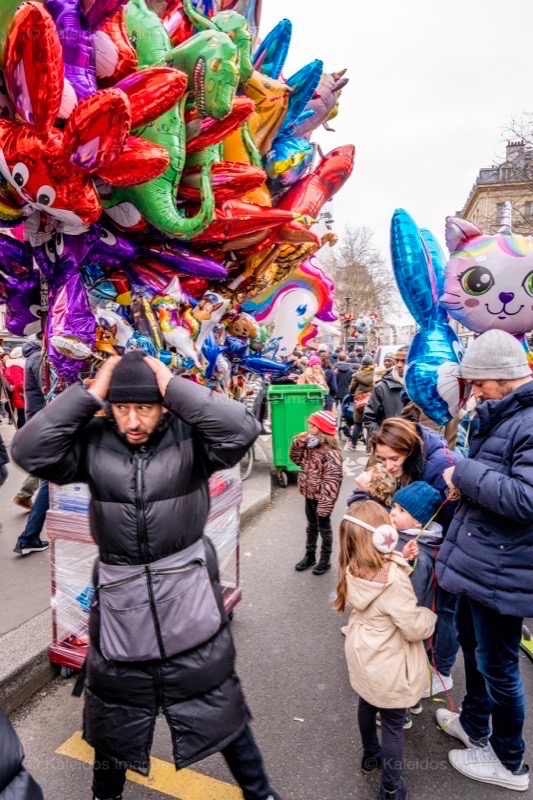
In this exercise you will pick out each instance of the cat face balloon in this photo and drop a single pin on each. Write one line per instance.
(488, 281)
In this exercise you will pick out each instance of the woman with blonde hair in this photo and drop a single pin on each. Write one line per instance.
(384, 646)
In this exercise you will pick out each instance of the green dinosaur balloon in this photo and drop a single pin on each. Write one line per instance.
(211, 61)
(156, 199)
(146, 33)
(235, 26)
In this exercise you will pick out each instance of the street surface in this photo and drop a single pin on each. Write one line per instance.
(291, 662)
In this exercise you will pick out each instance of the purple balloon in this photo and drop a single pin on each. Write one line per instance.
(15, 256)
(64, 255)
(23, 302)
(96, 12)
(71, 318)
(77, 42)
(182, 259)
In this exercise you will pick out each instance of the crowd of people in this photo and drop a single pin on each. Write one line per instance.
(434, 556)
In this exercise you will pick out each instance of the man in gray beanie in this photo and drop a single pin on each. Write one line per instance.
(486, 560)
(160, 639)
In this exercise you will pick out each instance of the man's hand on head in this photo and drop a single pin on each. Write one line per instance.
(100, 385)
(161, 371)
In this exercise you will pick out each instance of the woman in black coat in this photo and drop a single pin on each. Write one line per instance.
(16, 783)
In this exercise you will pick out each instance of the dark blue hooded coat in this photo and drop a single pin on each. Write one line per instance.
(488, 552)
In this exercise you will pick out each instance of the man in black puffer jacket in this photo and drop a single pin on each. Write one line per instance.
(16, 783)
(159, 635)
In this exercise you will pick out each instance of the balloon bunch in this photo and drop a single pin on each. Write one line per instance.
(432, 377)
(159, 178)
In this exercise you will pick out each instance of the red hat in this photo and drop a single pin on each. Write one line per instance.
(325, 421)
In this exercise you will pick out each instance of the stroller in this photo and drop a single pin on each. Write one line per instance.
(346, 416)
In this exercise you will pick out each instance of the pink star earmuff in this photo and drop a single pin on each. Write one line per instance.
(384, 537)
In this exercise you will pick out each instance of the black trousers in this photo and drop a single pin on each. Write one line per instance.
(318, 525)
(392, 740)
(242, 757)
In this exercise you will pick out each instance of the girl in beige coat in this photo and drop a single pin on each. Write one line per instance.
(387, 662)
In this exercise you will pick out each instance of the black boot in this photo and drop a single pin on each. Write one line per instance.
(307, 561)
(322, 566)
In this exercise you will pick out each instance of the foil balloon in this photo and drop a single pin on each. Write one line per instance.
(112, 333)
(270, 56)
(489, 279)
(23, 300)
(115, 56)
(250, 9)
(71, 327)
(78, 52)
(292, 305)
(309, 194)
(322, 105)
(432, 378)
(363, 324)
(52, 169)
(303, 85)
(287, 162)
(232, 24)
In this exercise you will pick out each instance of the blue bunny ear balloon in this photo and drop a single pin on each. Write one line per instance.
(413, 268)
(270, 57)
(432, 377)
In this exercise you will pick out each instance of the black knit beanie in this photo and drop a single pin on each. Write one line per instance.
(133, 381)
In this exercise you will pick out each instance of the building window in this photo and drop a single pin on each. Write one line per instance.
(528, 210)
(499, 211)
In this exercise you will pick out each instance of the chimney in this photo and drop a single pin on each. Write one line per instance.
(515, 150)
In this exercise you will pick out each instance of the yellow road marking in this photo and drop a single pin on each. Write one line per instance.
(185, 784)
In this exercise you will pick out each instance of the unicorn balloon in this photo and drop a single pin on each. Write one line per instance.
(488, 281)
(292, 305)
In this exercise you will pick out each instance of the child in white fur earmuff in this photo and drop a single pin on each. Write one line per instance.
(384, 646)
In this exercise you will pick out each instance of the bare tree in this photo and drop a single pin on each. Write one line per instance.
(361, 273)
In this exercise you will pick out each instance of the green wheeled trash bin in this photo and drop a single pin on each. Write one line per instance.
(290, 407)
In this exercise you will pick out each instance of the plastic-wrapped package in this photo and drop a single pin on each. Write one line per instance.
(73, 553)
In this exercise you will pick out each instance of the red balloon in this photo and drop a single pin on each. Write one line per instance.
(115, 55)
(33, 66)
(196, 287)
(202, 132)
(228, 179)
(236, 219)
(309, 194)
(153, 92)
(140, 161)
(97, 130)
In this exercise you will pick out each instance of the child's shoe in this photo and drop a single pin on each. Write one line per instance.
(322, 567)
(439, 683)
(416, 709)
(307, 561)
(399, 794)
(370, 762)
(406, 725)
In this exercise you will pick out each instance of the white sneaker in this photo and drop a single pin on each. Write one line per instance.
(450, 723)
(439, 683)
(482, 764)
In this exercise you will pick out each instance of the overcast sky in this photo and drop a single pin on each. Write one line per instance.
(433, 86)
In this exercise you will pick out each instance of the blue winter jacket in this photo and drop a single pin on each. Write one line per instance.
(437, 458)
(488, 552)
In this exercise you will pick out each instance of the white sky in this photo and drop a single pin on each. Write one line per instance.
(433, 86)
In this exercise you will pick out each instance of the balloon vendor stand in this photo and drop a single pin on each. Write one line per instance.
(73, 553)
